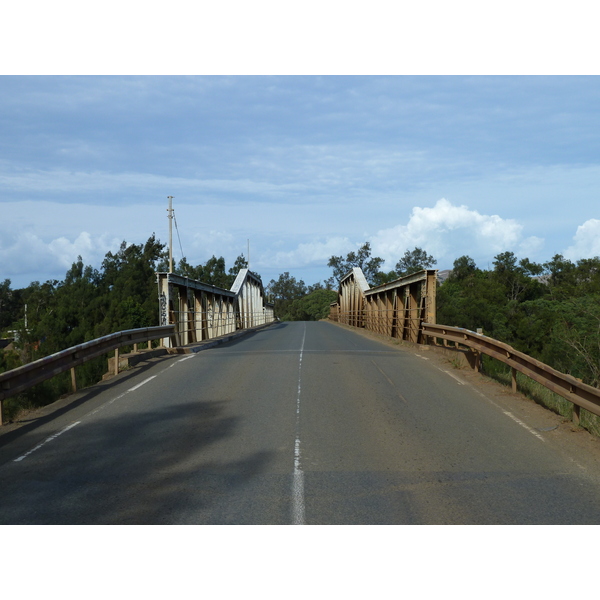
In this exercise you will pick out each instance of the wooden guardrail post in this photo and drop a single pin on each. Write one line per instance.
(73, 379)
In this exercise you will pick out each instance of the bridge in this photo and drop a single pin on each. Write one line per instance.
(360, 419)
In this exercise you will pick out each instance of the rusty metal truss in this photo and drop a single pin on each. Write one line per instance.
(396, 309)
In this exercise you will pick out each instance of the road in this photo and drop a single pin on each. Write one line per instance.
(299, 423)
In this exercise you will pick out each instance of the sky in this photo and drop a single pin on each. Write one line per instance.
(301, 168)
(296, 146)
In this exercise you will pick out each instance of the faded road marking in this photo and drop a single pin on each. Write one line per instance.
(52, 437)
(139, 385)
(298, 511)
(460, 381)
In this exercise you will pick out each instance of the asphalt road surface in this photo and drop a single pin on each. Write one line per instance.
(299, 423)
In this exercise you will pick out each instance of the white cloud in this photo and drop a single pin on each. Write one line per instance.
(26, 256)
(587, 241)
(447, 232)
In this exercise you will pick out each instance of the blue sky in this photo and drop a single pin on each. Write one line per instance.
(304, 167)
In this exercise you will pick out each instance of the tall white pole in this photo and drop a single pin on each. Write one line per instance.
(170, 211)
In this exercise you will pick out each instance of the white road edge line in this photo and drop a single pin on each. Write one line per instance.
(298, 510)
(49, 439)
(93, 412)
(187, 357)
(460, 381)
(517, 420)
(139, 385)
(511, 416)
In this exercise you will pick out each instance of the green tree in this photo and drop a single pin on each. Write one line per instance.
(362, 258)
(463, 268)
(312, 307)
(10, 305)
(283, 292)
(382, 278)
(129, 277)
(239, 264)
(516, 278)
(414, 261)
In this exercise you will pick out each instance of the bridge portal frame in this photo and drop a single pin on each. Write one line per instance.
(396, 309)
(201, 311)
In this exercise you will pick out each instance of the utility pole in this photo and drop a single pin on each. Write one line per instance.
(170, 211)
(248, 254)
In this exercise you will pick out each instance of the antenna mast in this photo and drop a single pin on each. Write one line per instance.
(170, 217)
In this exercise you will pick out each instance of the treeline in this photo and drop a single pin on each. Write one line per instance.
(293, 300)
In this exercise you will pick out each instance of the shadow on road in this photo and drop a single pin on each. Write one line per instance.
(142, 468)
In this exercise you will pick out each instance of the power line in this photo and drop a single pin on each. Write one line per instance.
(177, 230)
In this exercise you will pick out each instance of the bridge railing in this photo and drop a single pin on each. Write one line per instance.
(401, 323)
(195, 326)
(575, 391)
(22, 378)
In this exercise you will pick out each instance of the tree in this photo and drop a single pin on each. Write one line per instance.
(414, 261)
(239, 264)
(10, 305)
(463, 268)
(382, 278)
(517, 278)
(361, 259)
(561, 276)
(283, 292)
(312, 307)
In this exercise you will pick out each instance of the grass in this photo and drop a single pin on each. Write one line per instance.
(538, 393)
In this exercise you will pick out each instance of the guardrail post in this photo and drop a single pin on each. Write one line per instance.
(576, 414)
(116, 361)
(73, 379)
(513, 378)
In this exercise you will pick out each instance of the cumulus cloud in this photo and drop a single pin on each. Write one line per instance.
(25, 256)
(587, 241)
(447, 231)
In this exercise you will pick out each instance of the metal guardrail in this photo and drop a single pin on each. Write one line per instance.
(22, 378)
(570, 388)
